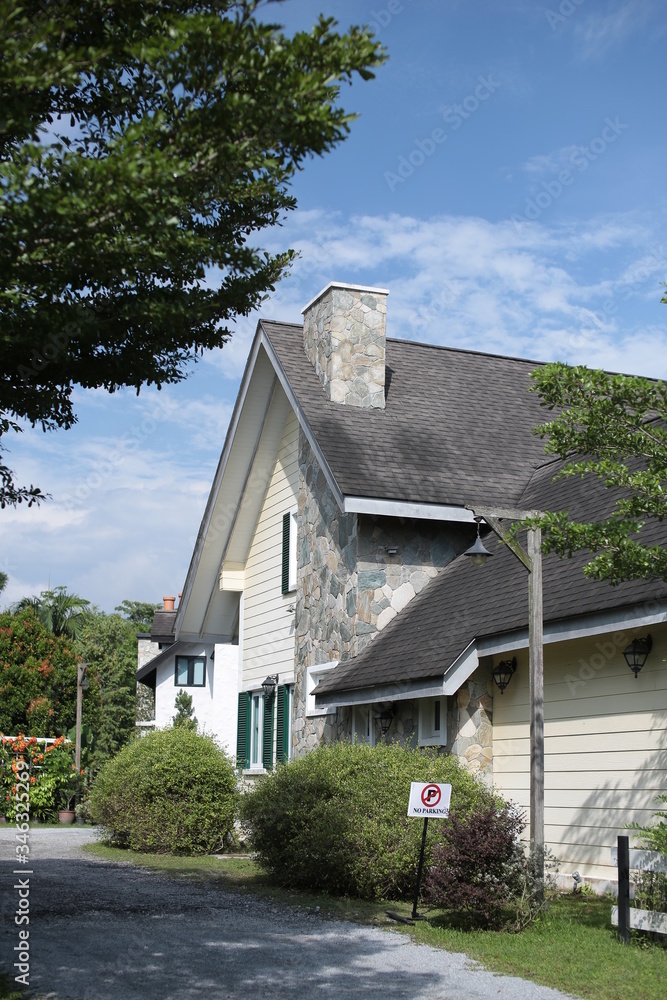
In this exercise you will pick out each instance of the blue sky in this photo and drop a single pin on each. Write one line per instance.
(505, 180)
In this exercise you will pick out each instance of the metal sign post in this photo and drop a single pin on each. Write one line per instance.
(428, 801)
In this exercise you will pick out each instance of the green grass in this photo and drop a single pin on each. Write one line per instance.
(572, 948)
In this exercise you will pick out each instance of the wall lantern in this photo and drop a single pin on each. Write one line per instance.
(635, 654)
(504, 672)
(269, 685)
(384, 718)
(477, 553)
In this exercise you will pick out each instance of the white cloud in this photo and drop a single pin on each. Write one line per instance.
(597, 32)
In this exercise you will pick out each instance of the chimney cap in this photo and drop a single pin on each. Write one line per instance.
(346, 286)
(168, 603)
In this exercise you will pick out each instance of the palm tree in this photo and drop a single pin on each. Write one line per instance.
(58, 611)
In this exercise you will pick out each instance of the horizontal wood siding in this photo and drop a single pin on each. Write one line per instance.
(605, 744)
(268, 629)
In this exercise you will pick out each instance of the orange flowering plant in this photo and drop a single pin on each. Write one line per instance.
(50, 769)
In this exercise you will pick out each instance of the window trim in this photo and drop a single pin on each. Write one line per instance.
(191, 671)
(314, 675)
(439, 738)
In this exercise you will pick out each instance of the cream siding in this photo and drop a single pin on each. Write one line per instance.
(605, 745)
(268, 627)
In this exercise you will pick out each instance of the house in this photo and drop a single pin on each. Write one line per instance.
(328, 596)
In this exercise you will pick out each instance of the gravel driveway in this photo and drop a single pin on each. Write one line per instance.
(101, 931)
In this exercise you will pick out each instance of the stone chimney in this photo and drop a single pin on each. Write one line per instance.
(344, 334)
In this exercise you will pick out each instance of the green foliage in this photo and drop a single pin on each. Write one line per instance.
(140, 613)
(651, 887)
(142, 143)
(52, 778)
(611, 427)
(184, 717)
(59, 611)
(108, 644)
(171, 791)
(38, 678)
(336, 819)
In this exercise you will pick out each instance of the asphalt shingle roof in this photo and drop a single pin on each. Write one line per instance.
(457, 425)
(464, 602)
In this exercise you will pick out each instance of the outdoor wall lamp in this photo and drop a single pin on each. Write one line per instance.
(635, 654)
(504, 672)
(269, 685)
(477, 553)
(384, 718)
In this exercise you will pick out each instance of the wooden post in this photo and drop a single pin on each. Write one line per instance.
(79, 707)
(623, 889)
(415, 915)
(536, 671)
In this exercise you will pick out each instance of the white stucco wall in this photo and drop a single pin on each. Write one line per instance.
(215, 704)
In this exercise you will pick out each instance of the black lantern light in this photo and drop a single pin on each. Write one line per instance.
(384, 718)
(635, 654)
(504, 672)
(477, 553)
(269, 685)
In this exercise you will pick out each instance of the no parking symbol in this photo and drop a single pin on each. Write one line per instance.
(429, 800)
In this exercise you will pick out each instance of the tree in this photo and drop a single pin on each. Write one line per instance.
(38, 678)
(108, 644)
(60, 612)
(613, 427)
(142, 144)
(184, 718)
(140, 613)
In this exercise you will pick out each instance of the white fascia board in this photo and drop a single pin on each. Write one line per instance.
(406, 508)
(301, 417)
(217, 480)
(601, 623)
(426, 688)
(460, 670)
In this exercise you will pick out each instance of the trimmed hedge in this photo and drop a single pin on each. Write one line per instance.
(335, 820)
(172, 791)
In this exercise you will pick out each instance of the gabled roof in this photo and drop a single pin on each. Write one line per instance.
(457, 425)
(466, 605)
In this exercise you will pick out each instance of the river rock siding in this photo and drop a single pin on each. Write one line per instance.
(349, 587)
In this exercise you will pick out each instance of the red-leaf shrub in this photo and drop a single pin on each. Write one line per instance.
(477, 863)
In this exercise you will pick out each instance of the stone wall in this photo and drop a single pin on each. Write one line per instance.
(349, 587)
(473, 732)
(344, 335)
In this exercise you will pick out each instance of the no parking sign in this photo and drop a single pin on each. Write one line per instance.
(429, 800)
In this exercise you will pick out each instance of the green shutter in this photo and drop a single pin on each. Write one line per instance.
(285, 573)
(282, 725)
(243, 732)
(267, 735)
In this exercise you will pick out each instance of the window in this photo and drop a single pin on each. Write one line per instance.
(190, 671)
(363, 724)
(254, 735)
(313, 677)
(256, 719)
(289, 559)
(432, 722)
(284, 734)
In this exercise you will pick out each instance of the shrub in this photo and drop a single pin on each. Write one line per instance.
(651, 887)
(336, 819)
(171, 791)
(481, 872)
